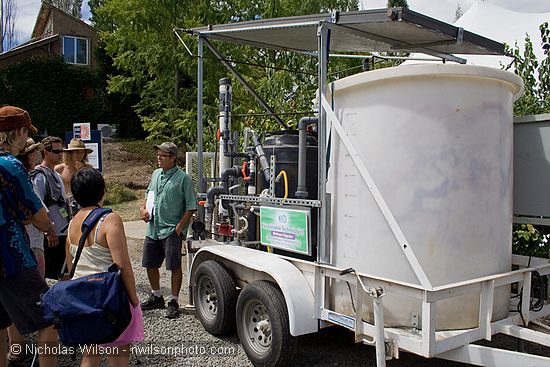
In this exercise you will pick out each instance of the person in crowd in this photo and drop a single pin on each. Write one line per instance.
(173, 200)
(51, 191)
(29, 158)
(75, 157)
(106, 245)
(20, 281)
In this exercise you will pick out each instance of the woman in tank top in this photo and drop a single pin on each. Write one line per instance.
(105, 245)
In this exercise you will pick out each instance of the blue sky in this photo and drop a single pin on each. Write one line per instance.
(442, 9)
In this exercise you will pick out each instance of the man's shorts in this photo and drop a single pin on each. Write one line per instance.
(154, 252)
(20, 301)
(54, 257)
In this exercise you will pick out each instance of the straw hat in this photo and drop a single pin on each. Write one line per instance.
(77, 144)
(31, 145)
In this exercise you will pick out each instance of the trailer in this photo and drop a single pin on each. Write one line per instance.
(394, 220)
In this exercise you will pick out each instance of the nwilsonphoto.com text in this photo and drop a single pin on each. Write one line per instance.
(169, 349)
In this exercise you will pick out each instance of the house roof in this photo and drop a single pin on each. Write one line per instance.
(43, 16)
(29, 45)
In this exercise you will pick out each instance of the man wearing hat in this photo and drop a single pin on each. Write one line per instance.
(20, 281)
(171, 201)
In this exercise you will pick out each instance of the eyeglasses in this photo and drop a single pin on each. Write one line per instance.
(55, 151)
(163, 155)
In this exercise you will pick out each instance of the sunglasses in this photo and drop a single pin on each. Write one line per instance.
(56, 151)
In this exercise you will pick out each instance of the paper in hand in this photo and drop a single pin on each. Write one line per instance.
(150, 204)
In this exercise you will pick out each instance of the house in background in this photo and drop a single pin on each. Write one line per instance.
(56, 33)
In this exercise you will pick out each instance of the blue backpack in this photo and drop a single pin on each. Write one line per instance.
(89, 310)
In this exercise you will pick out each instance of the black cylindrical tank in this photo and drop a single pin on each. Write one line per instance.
(284, 145)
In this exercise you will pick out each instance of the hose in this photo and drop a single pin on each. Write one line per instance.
(234, 187)
(241, 231)
(278, 178)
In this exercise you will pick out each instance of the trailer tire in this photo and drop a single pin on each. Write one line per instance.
(215, 296)
(262, 325)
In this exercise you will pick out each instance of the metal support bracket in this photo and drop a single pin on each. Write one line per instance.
(272, 167)
(460, 35)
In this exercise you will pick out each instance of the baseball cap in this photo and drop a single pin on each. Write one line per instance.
(167, 147)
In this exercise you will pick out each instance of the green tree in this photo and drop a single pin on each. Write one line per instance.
(151, 62)
(72, 7)
(535, 75)
(528, 239)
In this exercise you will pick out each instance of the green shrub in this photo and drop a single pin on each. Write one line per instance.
(118, 193)
(146, 152)
(530, 240)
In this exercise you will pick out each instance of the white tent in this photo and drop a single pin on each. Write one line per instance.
(502, 25)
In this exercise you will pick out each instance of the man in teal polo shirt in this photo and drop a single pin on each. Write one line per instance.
(170, 203)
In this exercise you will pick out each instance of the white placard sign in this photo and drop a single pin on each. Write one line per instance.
(93, 156)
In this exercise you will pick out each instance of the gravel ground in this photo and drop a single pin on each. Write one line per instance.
(184, 342)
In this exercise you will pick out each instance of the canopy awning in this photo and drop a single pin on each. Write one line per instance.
(378, 30)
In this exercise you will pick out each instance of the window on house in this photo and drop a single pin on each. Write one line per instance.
(75, 50)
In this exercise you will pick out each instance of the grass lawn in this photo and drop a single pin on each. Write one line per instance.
(129, 210)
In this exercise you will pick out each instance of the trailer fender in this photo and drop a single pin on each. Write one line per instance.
(298, 295)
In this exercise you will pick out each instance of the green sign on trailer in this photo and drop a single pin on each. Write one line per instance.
(285, 229)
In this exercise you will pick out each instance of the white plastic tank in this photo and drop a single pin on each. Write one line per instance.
(437, 141)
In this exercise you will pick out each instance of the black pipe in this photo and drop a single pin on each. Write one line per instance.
(264, 164)
(234, 171)
(251, 218)
(301, 189)
(211, 196)
(225, 108)
(228, 172)
(219, 190)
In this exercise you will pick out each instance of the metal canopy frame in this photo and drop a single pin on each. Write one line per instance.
(381, 30)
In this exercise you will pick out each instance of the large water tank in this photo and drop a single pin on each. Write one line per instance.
(437, 141)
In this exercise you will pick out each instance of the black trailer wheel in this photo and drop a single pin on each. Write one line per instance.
(215, 296)
(262, 324)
